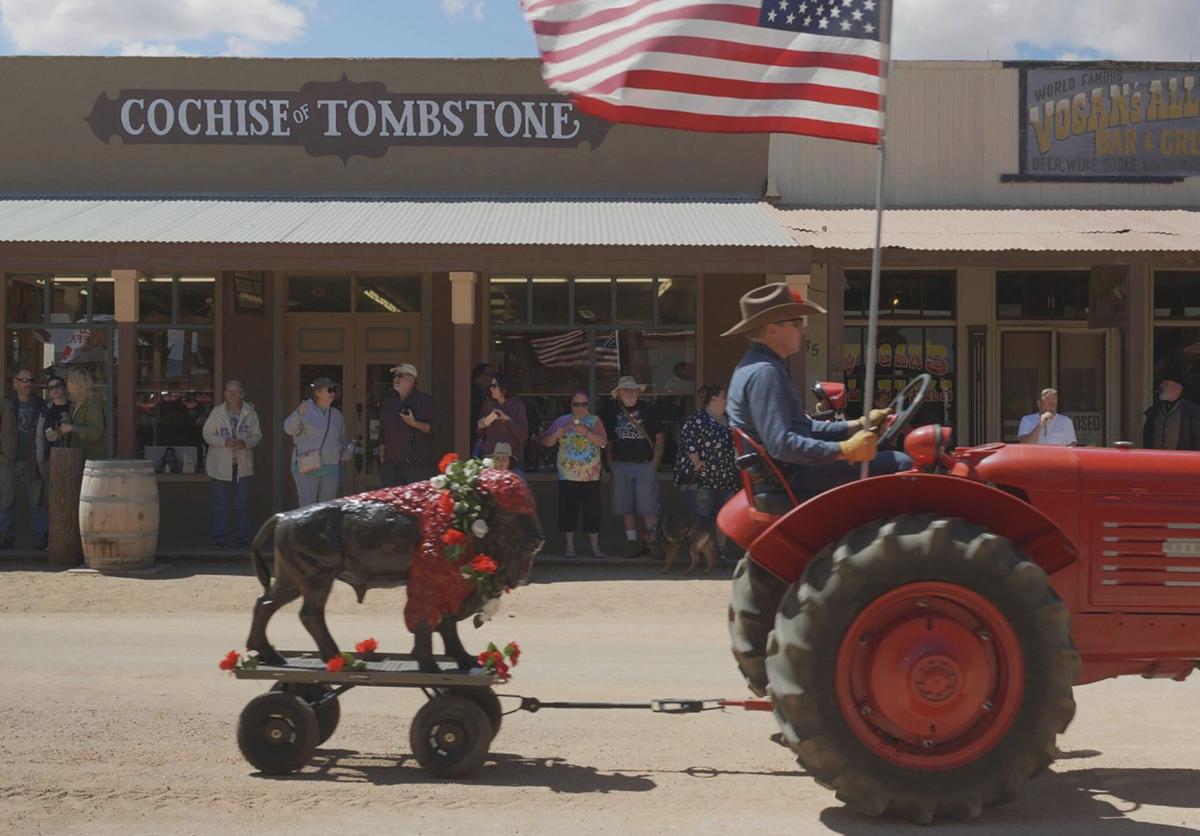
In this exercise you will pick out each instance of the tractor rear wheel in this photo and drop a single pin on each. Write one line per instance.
(753, 603)
(923, 667)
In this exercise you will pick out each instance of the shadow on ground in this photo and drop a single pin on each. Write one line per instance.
(1071, 801)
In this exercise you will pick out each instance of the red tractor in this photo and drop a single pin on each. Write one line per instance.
(920, 634)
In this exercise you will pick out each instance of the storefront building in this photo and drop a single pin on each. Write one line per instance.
(1042, 233)
(175, 223)
(169, 225)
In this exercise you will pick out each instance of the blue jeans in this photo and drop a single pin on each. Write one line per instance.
(222, 492)
(11, 477)
(808, 480)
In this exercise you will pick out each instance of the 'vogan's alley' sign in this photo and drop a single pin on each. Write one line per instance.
(1110, 120)
(342, 118)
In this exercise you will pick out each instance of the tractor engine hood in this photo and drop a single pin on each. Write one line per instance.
(1034, 468)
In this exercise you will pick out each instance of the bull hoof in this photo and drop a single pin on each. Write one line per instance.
(271, 657)
(428, 666)
(466, 664)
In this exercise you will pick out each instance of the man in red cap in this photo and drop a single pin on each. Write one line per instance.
(765, 405)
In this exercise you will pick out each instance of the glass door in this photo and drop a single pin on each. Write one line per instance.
(1071, 360)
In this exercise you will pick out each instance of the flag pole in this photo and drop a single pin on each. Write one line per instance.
(868, 394)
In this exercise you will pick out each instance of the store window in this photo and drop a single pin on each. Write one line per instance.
(1042, 294)
(556, 334)
(396, 294)
(903, 294)
(903, 352)
(56, 322)
(176, 369)
(318, 294)
(1177, 328)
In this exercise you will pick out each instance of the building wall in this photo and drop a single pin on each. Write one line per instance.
(953, 130)
(51, 150)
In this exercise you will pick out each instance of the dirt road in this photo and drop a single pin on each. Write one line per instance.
(116, 720)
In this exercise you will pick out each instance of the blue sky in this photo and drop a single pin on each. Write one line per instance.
(1164, 30)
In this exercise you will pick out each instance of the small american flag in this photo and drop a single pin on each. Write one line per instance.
(810, 67)
(572, 349)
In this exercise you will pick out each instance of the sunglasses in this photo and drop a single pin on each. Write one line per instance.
(23, 379)
(579, 403)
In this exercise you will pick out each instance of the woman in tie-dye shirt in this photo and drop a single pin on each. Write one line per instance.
(580, 437)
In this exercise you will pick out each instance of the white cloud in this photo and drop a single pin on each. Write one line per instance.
(464, 8)
(89, 26)
(152, 50)
(1161, 30)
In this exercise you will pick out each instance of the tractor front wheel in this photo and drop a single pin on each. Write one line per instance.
(923, 667)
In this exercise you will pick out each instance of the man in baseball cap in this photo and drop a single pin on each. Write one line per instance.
(765, 405)
(405, 422)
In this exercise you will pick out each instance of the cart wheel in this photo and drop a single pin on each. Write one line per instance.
(277, 733)
(450, 736)
(485, 698)
(328, 713)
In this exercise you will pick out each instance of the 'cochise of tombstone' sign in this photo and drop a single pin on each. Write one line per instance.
(341, 118)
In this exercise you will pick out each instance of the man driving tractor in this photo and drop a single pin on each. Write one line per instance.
(764, 404)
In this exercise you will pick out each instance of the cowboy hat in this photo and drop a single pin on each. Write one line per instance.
(627, 382)
(502, 448)
(770, 303)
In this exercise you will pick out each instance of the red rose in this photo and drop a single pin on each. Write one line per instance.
(445, 502)
(366, 645)
(483, 564)
(454, 537)
(230, 661)
(335, 664)
(447, 460)
(513, 651)
(797, 296)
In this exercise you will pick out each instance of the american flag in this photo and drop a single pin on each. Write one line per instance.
(809, 67)
(572, 349)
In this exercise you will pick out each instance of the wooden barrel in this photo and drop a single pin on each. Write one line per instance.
(118, 514)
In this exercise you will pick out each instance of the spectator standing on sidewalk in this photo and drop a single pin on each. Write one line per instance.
(502, 418)
(405, 423)
(18, 462)
(581, 439)
(319, 433)
(635, 451)
(53, 414)
(232, 432)
(704, 463)
(85, 427)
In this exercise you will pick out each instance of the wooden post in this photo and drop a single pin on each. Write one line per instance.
(66, 478)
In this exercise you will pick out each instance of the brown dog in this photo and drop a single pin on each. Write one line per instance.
(697, 535)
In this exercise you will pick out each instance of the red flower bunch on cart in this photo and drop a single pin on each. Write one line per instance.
(233, 660)
(366, 646)
(499, 662)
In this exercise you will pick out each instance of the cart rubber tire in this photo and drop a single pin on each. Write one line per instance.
(485, 698)
(450, 736)
(277, 733)
(328, 713)
(755, 599)
(845, 583)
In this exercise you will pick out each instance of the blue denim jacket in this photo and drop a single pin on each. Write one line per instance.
(765, 405)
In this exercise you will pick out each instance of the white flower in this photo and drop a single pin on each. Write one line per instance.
(489, 463)
(490, 608)
(438, 482)
(479, 528)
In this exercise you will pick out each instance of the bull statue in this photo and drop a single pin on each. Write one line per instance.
(392, 537)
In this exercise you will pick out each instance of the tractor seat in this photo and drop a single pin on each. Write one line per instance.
(766, 488)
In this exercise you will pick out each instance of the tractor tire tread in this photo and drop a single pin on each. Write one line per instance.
(837, 584)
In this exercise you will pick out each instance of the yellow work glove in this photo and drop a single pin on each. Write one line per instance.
(876, 417)
(859, 447)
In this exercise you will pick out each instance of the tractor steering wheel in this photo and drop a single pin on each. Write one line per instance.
(905, 405)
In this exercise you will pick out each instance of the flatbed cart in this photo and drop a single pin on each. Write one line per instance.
(278, 731)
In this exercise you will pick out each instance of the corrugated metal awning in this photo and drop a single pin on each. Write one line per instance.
(622, 223)
(995, 230)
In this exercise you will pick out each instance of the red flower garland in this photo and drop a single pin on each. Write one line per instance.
(493, 660)
(447, 460)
